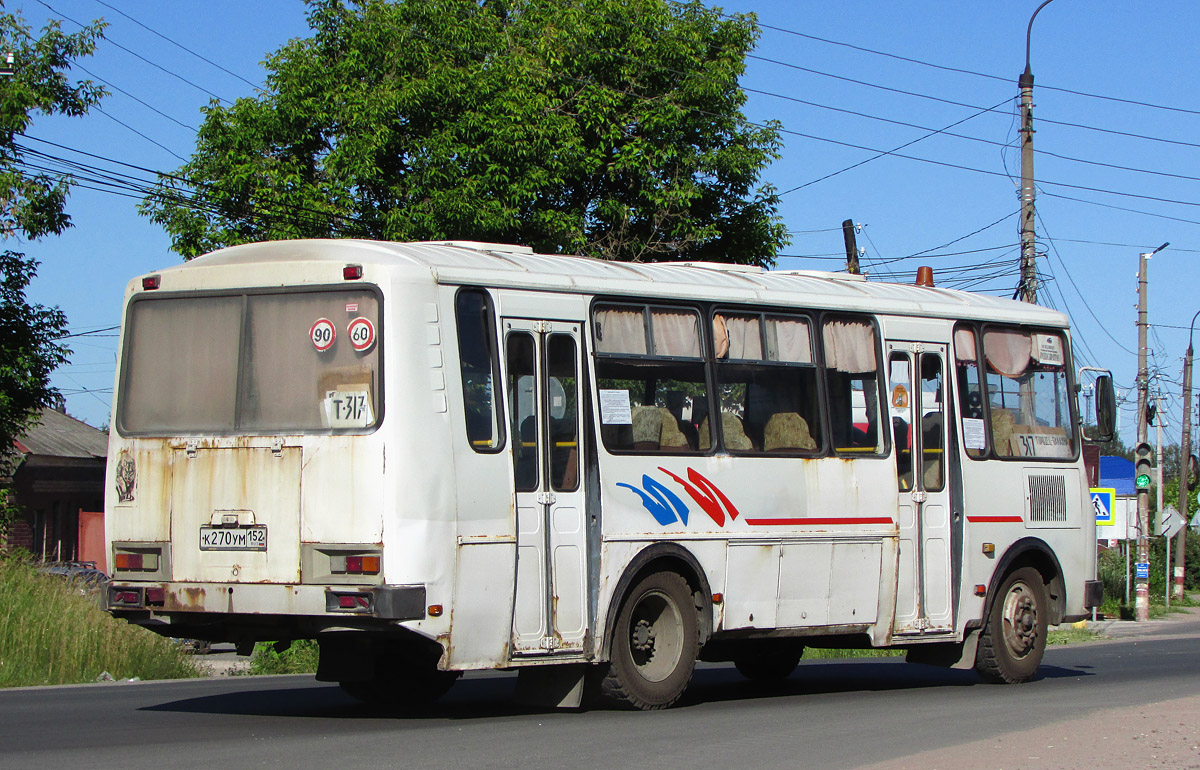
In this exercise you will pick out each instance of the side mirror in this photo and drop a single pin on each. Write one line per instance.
(1106, 408)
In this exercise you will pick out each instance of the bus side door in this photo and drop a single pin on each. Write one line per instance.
(543, 376)
(917, 396)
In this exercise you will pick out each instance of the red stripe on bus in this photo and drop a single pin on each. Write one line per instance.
(995, 519)
(793, 522)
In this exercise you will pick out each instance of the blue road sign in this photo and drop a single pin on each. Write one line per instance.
(1102, 504)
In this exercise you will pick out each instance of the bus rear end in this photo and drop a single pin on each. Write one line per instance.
(245, 497)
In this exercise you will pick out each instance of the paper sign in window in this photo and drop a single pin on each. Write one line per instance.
(614, 407)
(348, 409)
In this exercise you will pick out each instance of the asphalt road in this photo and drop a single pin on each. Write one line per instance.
(827, 715)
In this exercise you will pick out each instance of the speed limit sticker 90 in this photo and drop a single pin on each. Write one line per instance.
(362, 334)
(322, 334)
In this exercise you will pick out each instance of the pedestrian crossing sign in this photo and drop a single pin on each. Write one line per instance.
(1102, 504)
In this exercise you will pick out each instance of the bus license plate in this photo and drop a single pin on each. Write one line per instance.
(233, 538)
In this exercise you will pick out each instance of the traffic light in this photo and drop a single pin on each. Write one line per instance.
(1141, 466)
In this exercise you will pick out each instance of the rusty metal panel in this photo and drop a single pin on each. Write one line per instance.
(262, 487)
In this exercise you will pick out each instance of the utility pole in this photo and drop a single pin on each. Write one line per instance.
(1185, 445)
(1142, 482)
(1027, 290)
(851, 247)
(1158, 463)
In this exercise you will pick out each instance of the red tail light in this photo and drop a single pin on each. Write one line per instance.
(128, 561)
(151, 282)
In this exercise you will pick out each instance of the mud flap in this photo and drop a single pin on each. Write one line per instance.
(960, 655)
(560, 686)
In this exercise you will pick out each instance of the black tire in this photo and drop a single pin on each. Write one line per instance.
(654, 645)
(402, 684)
(1013, 639)
(768, 661)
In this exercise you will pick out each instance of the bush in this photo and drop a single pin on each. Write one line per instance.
(52, 631)
(300, 658)
(1111, 572)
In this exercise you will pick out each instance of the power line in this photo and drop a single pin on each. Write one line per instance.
(157, 66)
(960, 70)
(120, 90)
(951, 102)
(179, 45)
(881, 154)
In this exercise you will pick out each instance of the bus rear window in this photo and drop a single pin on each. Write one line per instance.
(251, 363)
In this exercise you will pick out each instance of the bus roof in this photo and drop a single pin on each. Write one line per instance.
(507, 266)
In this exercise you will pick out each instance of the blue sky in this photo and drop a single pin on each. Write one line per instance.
(873, 75)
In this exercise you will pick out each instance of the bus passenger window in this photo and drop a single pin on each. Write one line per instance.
(477, 359)
(766, 384)
(562, 411)
(933, 456)
(522, 396)
(970, 393)
(900, 398)
(652, 392)
(852, 383)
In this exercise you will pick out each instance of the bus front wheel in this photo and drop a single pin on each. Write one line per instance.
(1014, 633)
(655, 643)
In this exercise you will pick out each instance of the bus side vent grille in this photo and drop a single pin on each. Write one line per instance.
(1047, 499)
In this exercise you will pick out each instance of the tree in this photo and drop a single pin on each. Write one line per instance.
(605, 127)
(32, 206)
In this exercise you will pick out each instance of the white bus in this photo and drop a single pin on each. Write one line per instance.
(441, 457)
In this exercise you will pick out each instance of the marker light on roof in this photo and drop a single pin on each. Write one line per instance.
(352, 272)
(151, 282)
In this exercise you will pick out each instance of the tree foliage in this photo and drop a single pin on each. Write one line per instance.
(605, 127)
(33, 207)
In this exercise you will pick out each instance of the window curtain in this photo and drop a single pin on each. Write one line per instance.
(745, 339)
(789, 339)
(964, 346)
(620, 330)
(676, 333)
(1008, 352)
(850, 346)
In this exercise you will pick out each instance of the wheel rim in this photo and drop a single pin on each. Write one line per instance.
(655, 636)
(1020, 620)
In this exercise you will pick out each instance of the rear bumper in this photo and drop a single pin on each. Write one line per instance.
(381, 602)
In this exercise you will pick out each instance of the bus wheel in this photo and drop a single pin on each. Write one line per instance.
(768, 661)
(1014, 633)
(655, 643)
(402, 684)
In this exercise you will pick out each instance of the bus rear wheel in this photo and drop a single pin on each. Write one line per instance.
(1013, 639)
(655, 643)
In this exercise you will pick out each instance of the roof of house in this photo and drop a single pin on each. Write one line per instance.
(1117, 473)
(59, 435)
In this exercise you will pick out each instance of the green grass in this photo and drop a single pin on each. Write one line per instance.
(300, 658)
(54, 632)
(1071, 635)
(821, 653)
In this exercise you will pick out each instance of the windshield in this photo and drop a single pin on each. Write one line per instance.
(251, 363)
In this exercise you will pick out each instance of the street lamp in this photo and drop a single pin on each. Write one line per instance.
(1185, 456)
(1142, 598)
(1027, 291)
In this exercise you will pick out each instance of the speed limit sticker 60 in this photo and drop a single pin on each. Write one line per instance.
(322, 334)
(362, 334)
